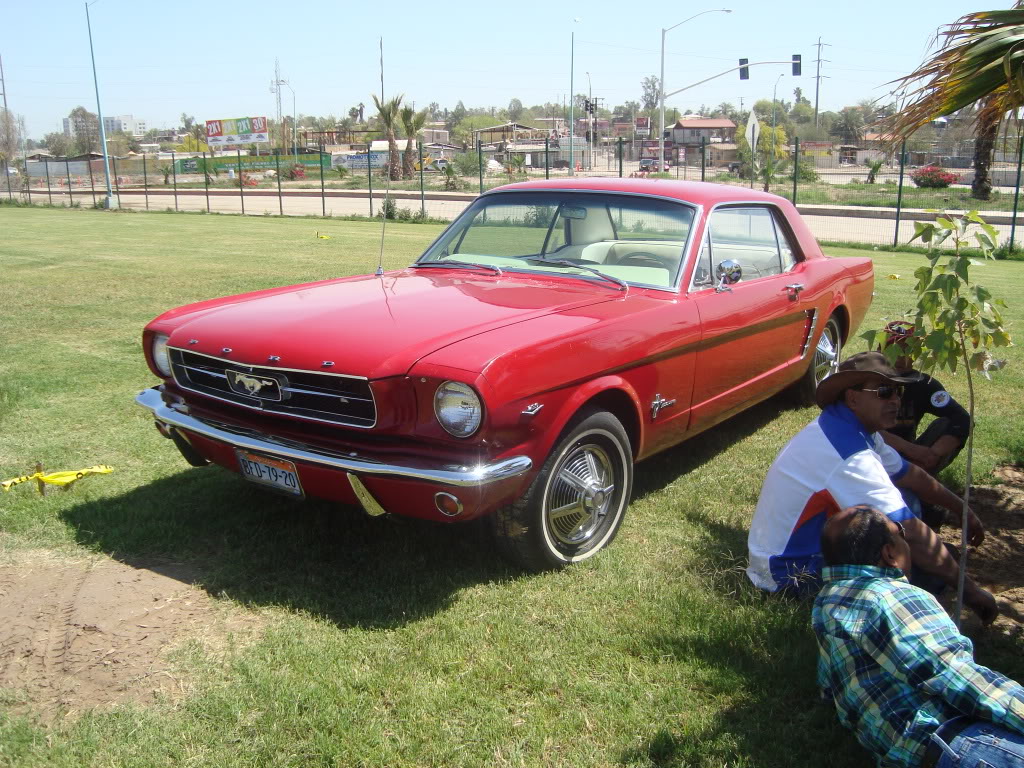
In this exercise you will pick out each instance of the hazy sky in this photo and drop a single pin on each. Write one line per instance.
(216, 60)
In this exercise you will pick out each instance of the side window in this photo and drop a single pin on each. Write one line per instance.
(703, 274)
(786, 249)
(747, 236)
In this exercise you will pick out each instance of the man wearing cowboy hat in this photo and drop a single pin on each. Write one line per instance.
(837, 461)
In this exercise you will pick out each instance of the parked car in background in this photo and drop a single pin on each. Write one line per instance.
(650, 165)
(555, 334)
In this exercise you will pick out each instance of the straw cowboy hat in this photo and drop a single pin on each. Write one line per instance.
(855, 370)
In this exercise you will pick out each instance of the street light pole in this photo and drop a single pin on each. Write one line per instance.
(572, 96)
(111, 201)
(773, 117)
(661, 83)
(590, 119)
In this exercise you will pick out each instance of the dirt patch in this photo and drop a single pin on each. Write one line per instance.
(84, 634)
(998, 564)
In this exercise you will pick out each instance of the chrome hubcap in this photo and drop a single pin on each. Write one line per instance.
(826, 354)
(580, 494)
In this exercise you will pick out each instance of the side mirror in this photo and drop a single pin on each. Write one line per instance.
(728, 272)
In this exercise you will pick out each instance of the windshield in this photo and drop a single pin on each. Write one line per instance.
(639, 240)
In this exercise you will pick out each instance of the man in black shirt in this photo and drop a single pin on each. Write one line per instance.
(943, 439)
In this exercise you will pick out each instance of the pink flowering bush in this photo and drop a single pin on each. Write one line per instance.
(933, 177)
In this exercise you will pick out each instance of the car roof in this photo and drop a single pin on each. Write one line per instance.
(697, 192)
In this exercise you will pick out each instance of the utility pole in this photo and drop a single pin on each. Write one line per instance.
(817, 80)
(3, 85)
(275, 88)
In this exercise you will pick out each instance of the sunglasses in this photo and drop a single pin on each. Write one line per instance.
(901, 529)
(886, 391)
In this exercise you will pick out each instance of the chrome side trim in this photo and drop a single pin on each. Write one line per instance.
(810, 333)
(240, 437)
(370, 505)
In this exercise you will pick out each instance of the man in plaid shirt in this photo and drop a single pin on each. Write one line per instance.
(900, 674)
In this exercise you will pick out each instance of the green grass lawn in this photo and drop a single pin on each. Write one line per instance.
(396, 643)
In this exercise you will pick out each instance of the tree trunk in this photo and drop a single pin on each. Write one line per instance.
(407, 160)
(394, 166)
(984, 144)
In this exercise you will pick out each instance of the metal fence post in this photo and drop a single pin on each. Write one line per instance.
(92, 184)
(206, 179)
(145, 182)
(423, 195)
(174, 174)
(117, 186)
(1016, 191)
(796, 164)
(28, 185)
(899, 193)
(703, 156)
(480, 163)
(241, 190)
(323, 193)
(277, 166)
(620, 156)
(71, 195)
(7, 174)
(547, 157)
(49, 197)
(369, 177)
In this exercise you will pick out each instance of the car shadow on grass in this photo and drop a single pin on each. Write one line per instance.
(212, 529)
(757, 655)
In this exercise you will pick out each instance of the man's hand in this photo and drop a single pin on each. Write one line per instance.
(975, 528)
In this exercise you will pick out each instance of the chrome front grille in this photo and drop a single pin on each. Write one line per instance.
(329, 397)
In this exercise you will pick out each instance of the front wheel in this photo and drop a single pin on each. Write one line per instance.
(575, 505)
(824, 362)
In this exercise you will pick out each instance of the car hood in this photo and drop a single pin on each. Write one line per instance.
(370, 326)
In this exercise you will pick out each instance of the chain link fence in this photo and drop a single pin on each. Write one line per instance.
(845, 193)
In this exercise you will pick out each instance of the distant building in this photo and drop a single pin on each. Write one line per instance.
(688, 132)
(126, 123)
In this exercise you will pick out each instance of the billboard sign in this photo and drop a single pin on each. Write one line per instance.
(237, 130)
(643, 126)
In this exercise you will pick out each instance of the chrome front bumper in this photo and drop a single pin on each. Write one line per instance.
(351, 462)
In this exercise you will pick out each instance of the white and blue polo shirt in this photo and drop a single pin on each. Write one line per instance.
(831, 464)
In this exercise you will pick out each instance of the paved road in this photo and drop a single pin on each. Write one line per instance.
(847, 228)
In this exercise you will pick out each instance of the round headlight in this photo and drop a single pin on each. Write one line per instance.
(458, 408)
(161, 358)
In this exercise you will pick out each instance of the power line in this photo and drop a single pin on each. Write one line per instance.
(817, 80)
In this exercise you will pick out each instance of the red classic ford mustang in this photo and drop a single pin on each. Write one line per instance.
(555, 334)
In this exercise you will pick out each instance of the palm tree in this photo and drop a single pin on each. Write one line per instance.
(413, 123)
(981, 62)
(387, 114)
(850, 125)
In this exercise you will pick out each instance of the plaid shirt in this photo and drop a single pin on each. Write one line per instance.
(893, 663)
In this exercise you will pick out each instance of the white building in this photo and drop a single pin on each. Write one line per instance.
(126, 123)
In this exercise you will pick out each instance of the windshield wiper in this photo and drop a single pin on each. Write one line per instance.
(457, 263)
(566, 263)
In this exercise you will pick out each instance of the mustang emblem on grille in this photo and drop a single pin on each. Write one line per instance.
(264, 387)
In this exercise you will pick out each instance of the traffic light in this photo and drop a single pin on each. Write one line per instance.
(744, 71)
(796, 64)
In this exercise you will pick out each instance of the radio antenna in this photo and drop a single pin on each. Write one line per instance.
(369, 162)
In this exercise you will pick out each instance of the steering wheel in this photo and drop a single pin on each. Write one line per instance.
(643, 259)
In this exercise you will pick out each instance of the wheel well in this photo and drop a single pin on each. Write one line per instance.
(619, 404)
(842, 315)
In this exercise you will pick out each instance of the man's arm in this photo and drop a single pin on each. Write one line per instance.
(914, 640)
(928, 553)
(919, 454)
(930, 490)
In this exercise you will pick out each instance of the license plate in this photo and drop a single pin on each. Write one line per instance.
(276, 473)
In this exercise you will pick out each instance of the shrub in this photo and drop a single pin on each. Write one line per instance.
(806, 172)
(295, 172)
(933, 177)
(467, 163)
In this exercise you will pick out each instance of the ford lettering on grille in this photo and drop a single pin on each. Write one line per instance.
(328, 397)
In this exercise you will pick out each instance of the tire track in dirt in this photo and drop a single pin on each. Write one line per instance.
(84, 634)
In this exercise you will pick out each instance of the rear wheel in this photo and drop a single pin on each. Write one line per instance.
(576, 504)
(824, 362)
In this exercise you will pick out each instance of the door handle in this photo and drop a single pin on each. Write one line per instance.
(794, 290)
